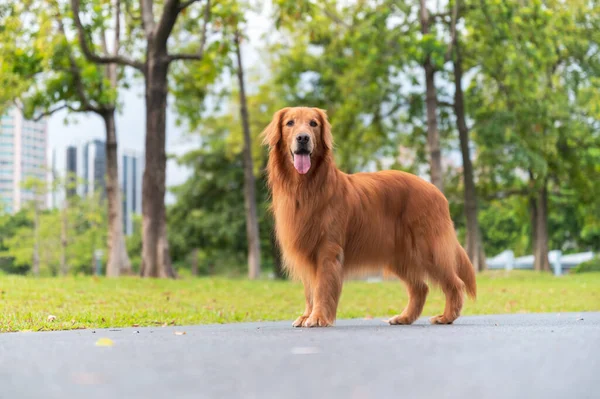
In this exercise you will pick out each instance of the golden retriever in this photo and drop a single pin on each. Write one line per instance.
(329, 223)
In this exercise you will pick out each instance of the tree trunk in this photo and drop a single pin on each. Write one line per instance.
(118, 260)
(252, 232)
(433, 136)
(36, 237)
(156, 261)
(541, 262)
(195, 262)
(64, 240)
(474, 245)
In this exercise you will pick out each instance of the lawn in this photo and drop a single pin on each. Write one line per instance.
(88, 302)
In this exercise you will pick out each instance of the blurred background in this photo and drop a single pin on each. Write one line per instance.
(495, 102)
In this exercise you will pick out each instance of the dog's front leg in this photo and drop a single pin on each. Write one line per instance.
(327, 289)
(308, 297)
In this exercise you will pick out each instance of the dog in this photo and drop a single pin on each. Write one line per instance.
(329, 224)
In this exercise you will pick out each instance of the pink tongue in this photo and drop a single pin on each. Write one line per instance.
(302, 163)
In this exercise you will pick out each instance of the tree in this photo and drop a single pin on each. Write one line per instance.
(209, 213)
(431, 100)
(528, 99)
(68, 81)
(17, 67)
(474, 245)
(156, 260)
(249, 180)
(40, 250)
(348, 60)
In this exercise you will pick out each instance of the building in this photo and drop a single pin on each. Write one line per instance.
(73, 172)
(23, 145)
(86, 162)
(94, 168)
(131, 171)
(86, 168)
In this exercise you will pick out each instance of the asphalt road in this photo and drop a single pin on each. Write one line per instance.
(515, 356)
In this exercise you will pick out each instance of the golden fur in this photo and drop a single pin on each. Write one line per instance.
(329, 223)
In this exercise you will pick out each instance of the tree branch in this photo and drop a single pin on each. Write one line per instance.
(335, 18)
(200, 54)
(440, 15)
(117, 42)
(186, 4)
(452, 31)
(55, 110)
(445, 104)
(89, 54)
(147, 17)
(75, 71)
(166, 23)
(48, 113)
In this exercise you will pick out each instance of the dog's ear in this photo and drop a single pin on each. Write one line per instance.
(272, 133)
(326, 129)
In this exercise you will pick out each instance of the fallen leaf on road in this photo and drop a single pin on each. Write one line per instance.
(180, 332)
(164, 325)
(51, 317)
(368, 317)
(135, 325)
(105, 342)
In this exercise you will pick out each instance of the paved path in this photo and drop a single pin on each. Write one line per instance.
(516, 356)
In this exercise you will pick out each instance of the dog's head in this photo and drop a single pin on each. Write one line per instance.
(302, 134)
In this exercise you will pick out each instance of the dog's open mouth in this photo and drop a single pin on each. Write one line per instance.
(301, 161)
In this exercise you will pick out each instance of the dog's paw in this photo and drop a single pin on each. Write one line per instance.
(441, 319)
(316, 321)
(400, 319)
(299, 321)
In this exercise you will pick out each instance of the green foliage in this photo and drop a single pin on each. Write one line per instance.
(209, 213)
(350, 61)
(532, 72)
(87, 229)
(10, 225)
(64, 78)
(590, 266)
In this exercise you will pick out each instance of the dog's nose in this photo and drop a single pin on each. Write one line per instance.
(303, 138)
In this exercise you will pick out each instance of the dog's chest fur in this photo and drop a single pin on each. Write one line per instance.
(300, 229)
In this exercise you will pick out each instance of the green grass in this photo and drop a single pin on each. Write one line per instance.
(87, 302)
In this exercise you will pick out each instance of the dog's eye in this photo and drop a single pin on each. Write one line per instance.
(290, 123)
(313, 123)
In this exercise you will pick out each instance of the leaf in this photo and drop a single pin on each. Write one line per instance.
(105, 342)
(180, 332)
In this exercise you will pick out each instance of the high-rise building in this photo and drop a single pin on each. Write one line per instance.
(131, 171)
(94, 167)
(73, 172)
(23, 145)
(87, 163)
(86, 168)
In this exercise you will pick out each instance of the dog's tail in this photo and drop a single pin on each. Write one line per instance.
(466, 272)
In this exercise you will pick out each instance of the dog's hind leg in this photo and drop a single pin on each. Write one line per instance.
(444, 272)
(417, 294)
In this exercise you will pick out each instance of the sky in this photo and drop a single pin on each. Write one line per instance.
(131, 120)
